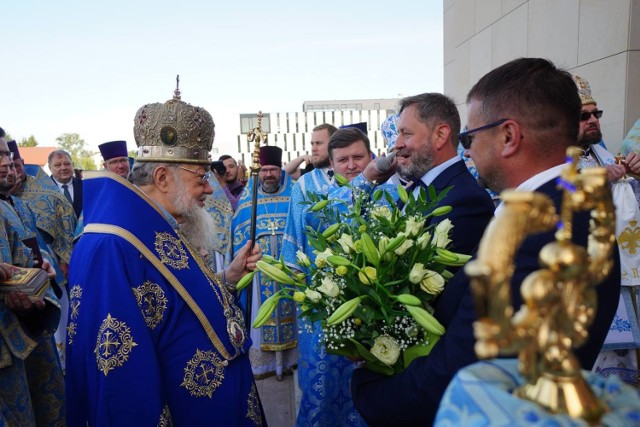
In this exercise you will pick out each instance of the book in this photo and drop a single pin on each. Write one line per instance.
(33, 282)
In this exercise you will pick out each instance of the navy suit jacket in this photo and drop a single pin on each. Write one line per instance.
(412, 397)
(77, 195)
(472, 207)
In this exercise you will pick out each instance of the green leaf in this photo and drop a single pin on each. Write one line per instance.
(415, 351)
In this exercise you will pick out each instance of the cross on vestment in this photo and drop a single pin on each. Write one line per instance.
(273, 227)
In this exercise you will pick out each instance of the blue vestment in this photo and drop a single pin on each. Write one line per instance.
(154, 338)
(280, 331)
(31, 382)
(323, 378)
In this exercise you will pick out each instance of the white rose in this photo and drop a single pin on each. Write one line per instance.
(402, 249)
(413, 227)
(417, 273)
(386, 350)
(433, 283)
(346, 242)
(313, 295)
(329, 288)
(441, 235)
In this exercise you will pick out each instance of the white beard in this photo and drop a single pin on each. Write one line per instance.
(197, 226)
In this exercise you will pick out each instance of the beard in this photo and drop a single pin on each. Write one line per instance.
(590, 136)
(321, 163)
(419, 163)
(270, 186)
(197, 227)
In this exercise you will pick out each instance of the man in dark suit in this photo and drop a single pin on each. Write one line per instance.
(523, 115)
(428, 129)
(61, 167)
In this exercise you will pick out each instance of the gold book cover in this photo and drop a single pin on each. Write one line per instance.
(31, 281)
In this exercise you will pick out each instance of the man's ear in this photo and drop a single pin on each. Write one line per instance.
(441, 133)
(512, 138)
(162, 178)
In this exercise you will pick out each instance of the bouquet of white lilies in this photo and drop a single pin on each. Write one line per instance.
(375, 271)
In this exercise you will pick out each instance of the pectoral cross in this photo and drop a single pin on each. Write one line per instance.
(273, 227)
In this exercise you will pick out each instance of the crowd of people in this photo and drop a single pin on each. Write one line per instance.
(143, 325)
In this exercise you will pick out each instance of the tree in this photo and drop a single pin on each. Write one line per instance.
(74, 145)
(133, 153)
(28, 142)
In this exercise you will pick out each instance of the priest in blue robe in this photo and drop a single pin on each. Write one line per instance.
(274, 344)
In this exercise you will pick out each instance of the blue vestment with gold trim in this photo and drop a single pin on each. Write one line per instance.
(153, 337)
(280, 331)
(31, 382)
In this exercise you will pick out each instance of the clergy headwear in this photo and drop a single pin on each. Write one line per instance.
(173, 132)
(111, 150)
(13, 147)
(362, 126)
(271, 156)
(584, 90)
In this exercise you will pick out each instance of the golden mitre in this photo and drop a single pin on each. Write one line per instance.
(584, 90)
(173, 132)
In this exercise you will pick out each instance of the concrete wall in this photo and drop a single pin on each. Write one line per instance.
(597, 39)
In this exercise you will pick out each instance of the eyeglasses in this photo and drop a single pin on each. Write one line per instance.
(4, 154)
(122, 161)
(586, 115)
(204, 177)
(465, 137)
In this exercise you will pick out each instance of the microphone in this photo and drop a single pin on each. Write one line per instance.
(384, 163)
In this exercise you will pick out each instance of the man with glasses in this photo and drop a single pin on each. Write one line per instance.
(155, 336)
(274, 348)
(521, 116)
(590, 136)
(115, 157)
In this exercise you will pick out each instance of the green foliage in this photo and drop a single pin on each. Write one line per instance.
(28, 142)
(74, 145)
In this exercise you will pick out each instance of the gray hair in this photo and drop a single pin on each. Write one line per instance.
(142, 172)
(56, 153)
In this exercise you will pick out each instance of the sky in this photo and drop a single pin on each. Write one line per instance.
(86, 67)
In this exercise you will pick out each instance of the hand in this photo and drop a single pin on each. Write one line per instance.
(20, 303)
(7, 270)
(372, 173)
(632, 163)
(615, 172)
(46, 266)
(243, 263)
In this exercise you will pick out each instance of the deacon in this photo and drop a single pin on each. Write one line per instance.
(323, 378)
(274, 344)
(155, 336)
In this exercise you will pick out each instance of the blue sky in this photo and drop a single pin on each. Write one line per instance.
(86, 67)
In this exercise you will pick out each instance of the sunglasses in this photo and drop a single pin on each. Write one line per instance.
(587, 115)
(466, 139)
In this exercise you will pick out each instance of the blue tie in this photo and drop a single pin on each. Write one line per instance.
(65, 189)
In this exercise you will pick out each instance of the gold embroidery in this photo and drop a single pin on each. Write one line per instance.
(75, 293)
(152, 302)
(113, 345)
(253, 406)
(203, 374)
(628, 239)
(171, 251)
(165, 418)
